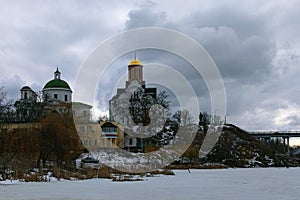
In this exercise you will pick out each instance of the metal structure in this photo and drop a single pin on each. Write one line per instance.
(285, 135)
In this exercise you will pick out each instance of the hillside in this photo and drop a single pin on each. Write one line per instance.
(236, 148)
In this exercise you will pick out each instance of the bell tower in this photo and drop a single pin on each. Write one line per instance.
(135, 71)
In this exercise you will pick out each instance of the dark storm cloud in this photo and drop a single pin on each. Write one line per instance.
(236, 40)
(145, 16)
(245, 23)
(242, 56)
(255, 44)
(249, 60)
(36, 37)
(245, 41)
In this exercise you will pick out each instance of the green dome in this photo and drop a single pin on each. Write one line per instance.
(57, 83)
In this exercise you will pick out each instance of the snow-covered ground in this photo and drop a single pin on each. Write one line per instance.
(231, 184)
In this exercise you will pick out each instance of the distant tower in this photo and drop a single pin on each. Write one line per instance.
(135, 71)
(28, 94)
(25, 107)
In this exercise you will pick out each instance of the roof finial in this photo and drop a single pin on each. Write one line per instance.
(57, 73)
(134, 55)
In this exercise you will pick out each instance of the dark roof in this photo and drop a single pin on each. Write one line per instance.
(89, 160)
(26, 88)
(108, 124)
(57, 83)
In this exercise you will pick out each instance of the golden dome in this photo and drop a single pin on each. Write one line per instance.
(135, 62)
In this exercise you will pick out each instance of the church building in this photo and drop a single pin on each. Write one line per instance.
(130, 106)
(57, 96)
(132, 95)
(57, 89)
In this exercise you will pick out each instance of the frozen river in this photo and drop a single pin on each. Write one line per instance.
(231, 184)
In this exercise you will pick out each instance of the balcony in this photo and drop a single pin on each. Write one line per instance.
(109, 135)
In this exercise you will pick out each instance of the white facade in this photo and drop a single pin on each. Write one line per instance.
(59, 94)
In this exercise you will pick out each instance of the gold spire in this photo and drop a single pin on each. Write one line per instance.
(135, 61)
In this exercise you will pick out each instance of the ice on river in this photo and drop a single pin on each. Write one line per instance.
(231, 184)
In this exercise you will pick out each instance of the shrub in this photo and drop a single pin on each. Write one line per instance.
(168, 172)
(104, 172)
(56, 171)
(34, 178)
(89, 172)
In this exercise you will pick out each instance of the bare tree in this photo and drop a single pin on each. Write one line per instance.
(183, 118)
(140, 106)
(8, 151)
(204, 121)
(6, 111)
(59, 139)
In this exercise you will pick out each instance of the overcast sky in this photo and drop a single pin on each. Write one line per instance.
(255, 45)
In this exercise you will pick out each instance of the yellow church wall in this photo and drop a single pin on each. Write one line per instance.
(93, 139)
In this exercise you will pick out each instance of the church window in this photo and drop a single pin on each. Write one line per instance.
(55, 96)
(66, 97)
(81, 129)
(25, 95)
(89, 129)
